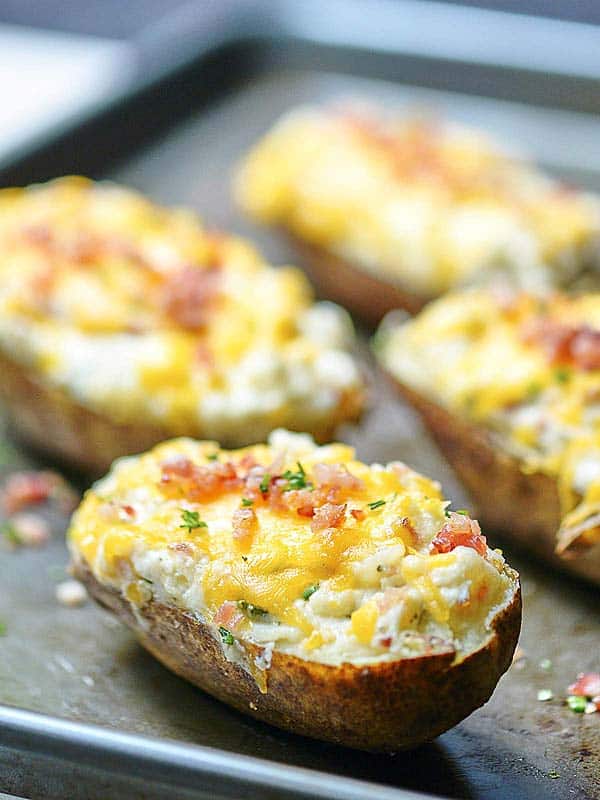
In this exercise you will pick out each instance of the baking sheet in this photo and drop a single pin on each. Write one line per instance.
(82, 665)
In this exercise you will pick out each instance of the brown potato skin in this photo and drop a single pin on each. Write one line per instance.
(51, 421)
(368, 297)
(381, 707)
(523, 506)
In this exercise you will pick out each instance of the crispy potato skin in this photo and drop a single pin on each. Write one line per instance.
(361, 292)
(382, 707)
(51, 421)
(523, 506)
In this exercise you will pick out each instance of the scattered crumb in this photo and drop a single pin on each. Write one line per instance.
(27, 488)
(545, 664)
(253, 706)
(71, 593)
(30, 530)
(88, 680)
(584, 695)
(544, 695)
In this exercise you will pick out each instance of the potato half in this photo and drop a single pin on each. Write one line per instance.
(391, 211)
(508, 386)
(327, 597)
(123, 323)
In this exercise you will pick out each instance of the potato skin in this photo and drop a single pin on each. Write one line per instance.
(523, 506)
(382, 707)
(51, 421)
(368, 297)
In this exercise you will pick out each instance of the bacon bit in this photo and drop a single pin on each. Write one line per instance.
(305, 511)
(181, 477)
(482, 592)
(459, 531)
(128, 511)
(228, 616)
(244, 523)
(358, 514)
(188, 294)
(24, 489)
(565, 345)
(182, 547)
(328, 516)
(386, 641)
(31, 530)
(586, 685)
(336, 476)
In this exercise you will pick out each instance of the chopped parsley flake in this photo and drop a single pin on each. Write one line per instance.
(2, 628)
(264, 484)
(577, 703)
(10, 533)
(251, 609)
(376, 504)
(561, 375)
(462, 511)
(246, 501)
(212, 456)
(296, 480)
(533, 389)
(309, 591)
(226, 636)
(191, 520)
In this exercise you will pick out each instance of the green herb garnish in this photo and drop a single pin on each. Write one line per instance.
(212, 456)
(3, 628)
(191, 520)
(251, 609)
(296, 480)
(309, 591)
(264, 484)
(376, 504)
(246, 501)
(462, 511)
(576, 703)
(533, 389)
(561, 375)
(10, 533)
(226, 636)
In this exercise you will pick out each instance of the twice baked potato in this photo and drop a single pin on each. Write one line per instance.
(327, 597)
(123, 323)
(509, 386)
(391, 211)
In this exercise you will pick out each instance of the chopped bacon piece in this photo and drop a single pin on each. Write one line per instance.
(336, 476)
(188, 295)
(306, 511)
(24, 489)
(459, 531)
(358, 514)
(565, 345)
(181, 477)
(128, 511)
(228, 615)
(328, 516)
(244, 523)
(586, 685)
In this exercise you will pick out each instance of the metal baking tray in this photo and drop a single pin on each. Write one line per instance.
(86, 712)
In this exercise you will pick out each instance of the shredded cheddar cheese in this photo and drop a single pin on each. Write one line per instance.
(527, 367)
(142, 314)
(424, 204)
(308, 564)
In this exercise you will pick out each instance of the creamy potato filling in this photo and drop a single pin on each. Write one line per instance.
(140, 313)
(525, 366)
(427, 205)
(294, 546)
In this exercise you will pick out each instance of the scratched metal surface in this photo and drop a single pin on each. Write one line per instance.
(81, 664)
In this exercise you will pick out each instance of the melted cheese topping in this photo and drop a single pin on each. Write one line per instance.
(428, 206)
(364, 587)
(537, 400)
(138, 311)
